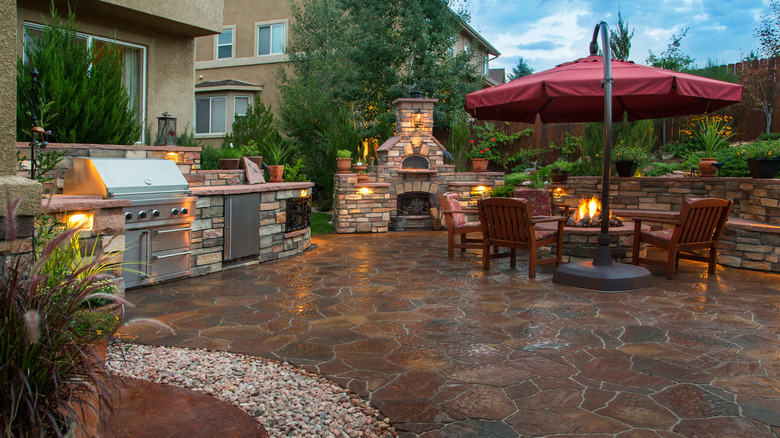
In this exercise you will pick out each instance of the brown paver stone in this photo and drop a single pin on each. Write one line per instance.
(638, 410)
(473, 428)
(484, 402)
(690, 401)
(410, 385)
(563, 421)
(731, 427)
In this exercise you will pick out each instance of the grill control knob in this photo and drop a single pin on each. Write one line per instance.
(184, 211)
(175, 211)
(156, 213)
(141, 214)
(128, 216)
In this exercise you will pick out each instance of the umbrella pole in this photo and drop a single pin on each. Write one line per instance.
(602, 274)
(603, 255)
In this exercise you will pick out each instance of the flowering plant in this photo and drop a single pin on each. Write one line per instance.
(762, 150)
(713, 134)
(488, 140)
(623, 152)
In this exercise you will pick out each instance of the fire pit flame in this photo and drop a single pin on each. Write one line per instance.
(588, 214)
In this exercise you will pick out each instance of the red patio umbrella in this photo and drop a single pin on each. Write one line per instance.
(573, 92)
(601, 89)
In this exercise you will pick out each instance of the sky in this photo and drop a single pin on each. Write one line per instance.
(549, 32)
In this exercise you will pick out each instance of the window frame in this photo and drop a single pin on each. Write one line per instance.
(248, 104)
(211, 114)
(89, 38)
(485, 65)
(217, 45)
(271, 24)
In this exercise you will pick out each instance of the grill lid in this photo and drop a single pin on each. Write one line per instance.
(124, 178)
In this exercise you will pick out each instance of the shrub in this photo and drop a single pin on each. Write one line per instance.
(772, 136)
(82, 85)
(343, 154)
(504, 191)
(46, 358)
(517, 179)
(294, 172)
(256, 125)
(761, 150)
(209, 157)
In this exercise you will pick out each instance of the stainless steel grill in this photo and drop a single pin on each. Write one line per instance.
(158, 221)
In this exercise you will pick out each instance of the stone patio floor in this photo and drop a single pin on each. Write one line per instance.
(447, 350)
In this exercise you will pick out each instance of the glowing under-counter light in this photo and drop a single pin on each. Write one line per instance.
(173, 156)
(82, 221)
(365, 191)
(558, 193)
(303, 193)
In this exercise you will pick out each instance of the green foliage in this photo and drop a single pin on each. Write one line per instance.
(620, 39)
(658, 169)
(520, 69)
(230, 153)
(565, 166)
(490, 139)
(516, 179)
(84, 87)
(45, 162)
(712, 134)
(680, 149)
(673, 57)
(320, 223)
(504, 191)
(277, 150)
(46, 358)
(257, 125)
(209, 157)
(623, 151)
(716, 70)
(639, 134)
(458, 142)
(349, 59)
(760, 150)
(772, 136)
(294, 172)
(768, 31)
(343, 154)
(250, 149)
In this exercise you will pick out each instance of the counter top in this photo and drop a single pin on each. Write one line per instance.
(249, 188)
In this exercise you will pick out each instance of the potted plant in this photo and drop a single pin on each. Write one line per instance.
(627, 159)
(712, 134)
(762, 158)
(343, 160)
(229, 157)
(486, 148)
(276, 151)
(561, 169)
(251, 151)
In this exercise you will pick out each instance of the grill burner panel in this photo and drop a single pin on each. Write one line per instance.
(298, 214)
(414, 204)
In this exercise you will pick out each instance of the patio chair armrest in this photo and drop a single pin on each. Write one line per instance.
(565, 208)
(636, 219)
(548, 219)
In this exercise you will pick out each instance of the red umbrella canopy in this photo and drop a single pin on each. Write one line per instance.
(572, 92)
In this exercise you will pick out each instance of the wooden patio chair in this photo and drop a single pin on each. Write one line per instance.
(507, 223)
(542, 203)
(457, 225)
(697, 227)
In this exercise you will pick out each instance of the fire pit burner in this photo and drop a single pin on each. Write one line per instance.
(588, 215)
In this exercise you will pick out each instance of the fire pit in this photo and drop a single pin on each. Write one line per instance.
(582, 230)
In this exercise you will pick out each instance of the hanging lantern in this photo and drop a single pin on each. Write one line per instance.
(166, 129)
(417, 119)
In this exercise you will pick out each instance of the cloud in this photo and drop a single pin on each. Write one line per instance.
(539, 45)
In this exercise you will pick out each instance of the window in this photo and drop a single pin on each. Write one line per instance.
(133, 63)
(485, 66)
(240, 105)
(270, 39)
(451, 51)
(225, 44)
(465, 46)
(210, 115)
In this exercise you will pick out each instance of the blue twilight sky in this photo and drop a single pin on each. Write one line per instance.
(549, 32)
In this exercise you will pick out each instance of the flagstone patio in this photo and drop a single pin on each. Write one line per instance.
(447, 350)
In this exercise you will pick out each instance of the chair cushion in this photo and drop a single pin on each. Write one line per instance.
(543, 234)
(471, 224)
(458, 219)
(539, 200)
(664, 235)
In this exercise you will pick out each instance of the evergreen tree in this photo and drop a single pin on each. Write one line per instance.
(673, 57)
(620, 39)
(81, 85)
(520, 70)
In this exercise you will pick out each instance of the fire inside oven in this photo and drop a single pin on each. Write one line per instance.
(298, 214)
(414, 204)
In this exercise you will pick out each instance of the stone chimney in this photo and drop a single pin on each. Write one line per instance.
(405, 110)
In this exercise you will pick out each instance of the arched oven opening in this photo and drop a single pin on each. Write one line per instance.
(415, 162)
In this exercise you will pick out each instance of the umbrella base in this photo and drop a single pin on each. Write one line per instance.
(618, 277)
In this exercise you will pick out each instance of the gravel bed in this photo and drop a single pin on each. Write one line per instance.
(287, 401)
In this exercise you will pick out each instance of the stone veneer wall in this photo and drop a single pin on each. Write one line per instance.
(370, 212)
(750, 241)
(207, 242)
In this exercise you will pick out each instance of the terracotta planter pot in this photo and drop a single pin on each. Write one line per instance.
(362, 177)
(479, 164)
(706, 168)
(559, 176)
(275, 173)
(626, 168)
(229, 163)
(343, 164)
(255, 159)
(763, 168)
(360, 168)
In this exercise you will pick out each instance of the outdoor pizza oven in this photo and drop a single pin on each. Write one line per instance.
(158, 221)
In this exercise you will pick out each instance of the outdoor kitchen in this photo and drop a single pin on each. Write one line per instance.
(171, 220)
